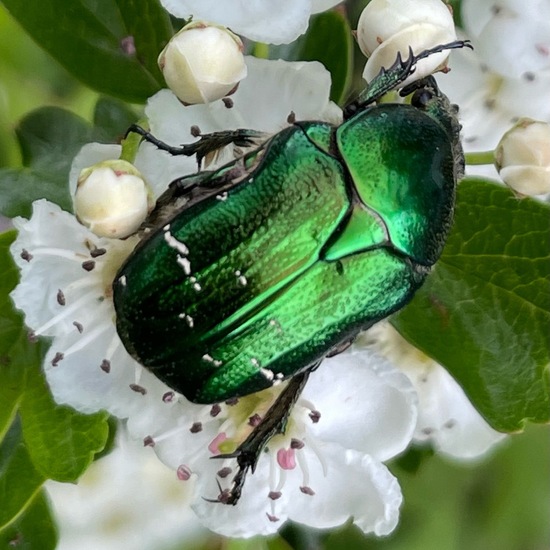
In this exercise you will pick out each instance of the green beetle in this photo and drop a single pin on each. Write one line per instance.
(255, 272)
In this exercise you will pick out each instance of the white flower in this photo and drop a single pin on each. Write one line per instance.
(513, 38)
(367, 414)
(522, 157)
(259, 20)
(127, 499)
(326, 468)
(112, 199)
(389, 27)
(355, 412)
(506, 77)
(446, 418)
(203, 63)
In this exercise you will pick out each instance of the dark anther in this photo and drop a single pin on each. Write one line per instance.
(168, 397)
(195, 131)
(274, 495)
(96, 252)
(88, 265)
(307, 490)
(148, 441)
(296, 444)
(215, 410)
(57, 357)
(271, 518)
(25, 255)
(315, 416)
(78, 326)
(196, 428)
(60, 297)
(228, 102)
(224, 472)
(106, 366)
(291, 118)
(254, 420)
(138, 389)
(233, 401)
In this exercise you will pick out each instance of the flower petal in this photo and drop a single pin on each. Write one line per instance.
(356, 485)
(259, 20)
(365, 403)
(447, 418)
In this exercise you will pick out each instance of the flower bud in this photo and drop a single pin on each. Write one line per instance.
(522, 157)
(203, 63)
(112, 199)
(387, 27)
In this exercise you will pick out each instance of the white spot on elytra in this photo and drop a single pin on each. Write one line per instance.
(185, 264)
(241, 279)
(222, 196)
(208, 358)
(122, 280)
(188, 319)
(267, 373)
(173, 242)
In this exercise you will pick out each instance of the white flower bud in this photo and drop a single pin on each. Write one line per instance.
(112, 199)
(203, 63)
(522, 157)
(387, 27)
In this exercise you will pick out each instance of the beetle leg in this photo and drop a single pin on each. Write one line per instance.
(273, 423)
(208, 143)
(388, 79)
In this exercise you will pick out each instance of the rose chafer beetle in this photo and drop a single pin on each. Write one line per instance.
(255, 272)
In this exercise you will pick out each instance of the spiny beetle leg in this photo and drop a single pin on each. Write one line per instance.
(273, 423)
(208, 143)
(388, 79)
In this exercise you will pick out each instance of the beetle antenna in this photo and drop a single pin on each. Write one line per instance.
(388, 79)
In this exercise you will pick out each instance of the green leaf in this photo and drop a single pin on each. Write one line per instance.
(328, 40)
(484, 312)
(49, 138)
(95, 41)
(60, 441)
(112, 118)
(32, 529)
(19, 479)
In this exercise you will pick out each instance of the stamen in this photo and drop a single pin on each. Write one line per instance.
(64, 313)
(59, 253)
(138, 389)
(87, 338)
(224, 472)
(169, 434)
(168, 397)
(183, 472)
(313, 446)
(302, 462)
(148, 441)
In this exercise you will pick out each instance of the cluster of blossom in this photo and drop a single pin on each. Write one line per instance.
(343, 428)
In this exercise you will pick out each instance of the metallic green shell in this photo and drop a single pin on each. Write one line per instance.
(280, 259)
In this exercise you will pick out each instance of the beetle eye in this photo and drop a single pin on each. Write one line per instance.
(421, 98)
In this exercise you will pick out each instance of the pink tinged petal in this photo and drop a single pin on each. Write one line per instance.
(370, 406)
(286, 458)
(356, 485)
(448, 419)
(258, 20)
(214, 446)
